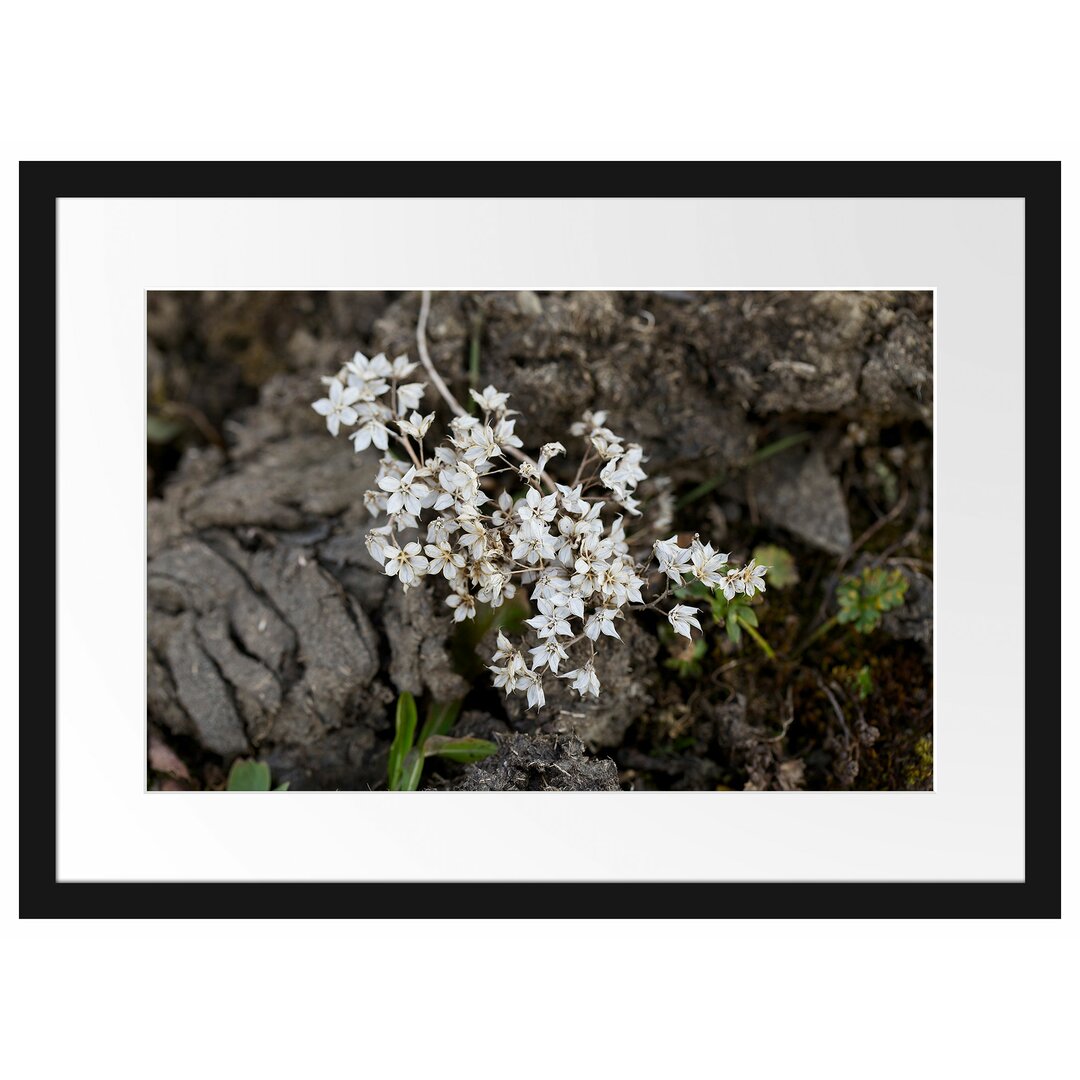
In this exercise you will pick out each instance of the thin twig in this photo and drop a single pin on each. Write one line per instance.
(444, 390)
(425, 359)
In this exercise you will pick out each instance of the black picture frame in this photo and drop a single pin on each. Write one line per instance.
(42, 183)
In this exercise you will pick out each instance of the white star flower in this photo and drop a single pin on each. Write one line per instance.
(371, 432)
(416, 426)
(671, 558)
(490, 400)
(406, 492)
(360, 367)
(551, 621)
(409, 397)
(754, 577)
(442, 559)
(706, 563)
(535, 511)
(584, 680)
(509, 674)
(733, 583)
(532, 683)
(402, 367)
(406, 564)
(463, 604)
(549, 652)
(682, 618)
(601, 621)
(337, 407)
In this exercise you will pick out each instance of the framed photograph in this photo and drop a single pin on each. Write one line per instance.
(641, 539)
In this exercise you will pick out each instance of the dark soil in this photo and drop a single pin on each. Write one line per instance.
(802, 420)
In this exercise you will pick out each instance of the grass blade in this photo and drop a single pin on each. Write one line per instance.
(404, 731)
(462, 750)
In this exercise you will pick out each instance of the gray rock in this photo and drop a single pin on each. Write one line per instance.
(796, 491)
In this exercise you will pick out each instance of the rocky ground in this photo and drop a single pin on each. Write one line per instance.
(797, 420)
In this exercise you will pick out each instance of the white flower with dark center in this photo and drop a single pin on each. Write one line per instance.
(706, 564)
(584, 680)
(551, 621)
(409, 397)
(490, 400)
(601, 621)
(532, 548)
(549, 652)
(463, 604)
(443, 559)
(733, 584)
(535, 511)
(547, 452)
(682, 618)
(481, 446)
(337, 407)
(404, 493)
(406, 563)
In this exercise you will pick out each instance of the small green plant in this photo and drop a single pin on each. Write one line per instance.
(734, 614)
(863, 682)
(247, 775)
(864, 598)
(408, 751)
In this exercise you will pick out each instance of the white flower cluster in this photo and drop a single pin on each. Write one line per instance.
(446, 517)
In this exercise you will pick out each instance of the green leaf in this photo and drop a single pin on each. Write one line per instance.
(440, 719)
(282, 787)
(404, 730)
(734, 630)
(248, 775)
(701, 490)
(779, 446)
(463, 749)
(748, 615)
(863, 599)
(411, 768)
(864, 682)
(782, 570)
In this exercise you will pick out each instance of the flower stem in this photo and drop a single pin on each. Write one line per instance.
(766, 648)
(827, 625)
(444, 390)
